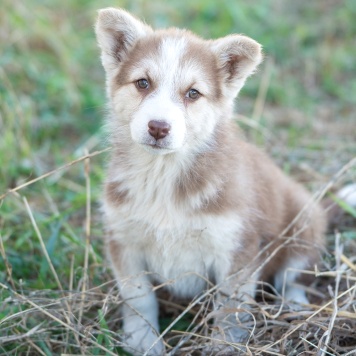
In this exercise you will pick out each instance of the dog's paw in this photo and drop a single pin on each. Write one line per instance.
(143, 340)
(228, 340)
(297, 297)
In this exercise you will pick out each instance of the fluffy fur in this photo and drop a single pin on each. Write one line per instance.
(195, 203)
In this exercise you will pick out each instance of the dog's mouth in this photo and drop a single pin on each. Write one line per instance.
(156, 148)
(156, 144)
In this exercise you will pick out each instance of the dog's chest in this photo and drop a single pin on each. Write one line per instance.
(181, 247)
(183, 269)
(187, 260)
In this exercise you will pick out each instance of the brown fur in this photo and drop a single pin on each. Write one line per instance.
(277, 200)
(212, 205)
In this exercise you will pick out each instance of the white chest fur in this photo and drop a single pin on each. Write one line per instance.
(183, 256)
(187, 260)
(178, 246)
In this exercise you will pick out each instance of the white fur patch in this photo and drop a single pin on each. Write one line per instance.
(348, 194)
(159, 107)
(163, 105)
(171, 51)
(191, 250)
(284, 280)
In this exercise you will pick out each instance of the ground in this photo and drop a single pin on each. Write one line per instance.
(56, 293)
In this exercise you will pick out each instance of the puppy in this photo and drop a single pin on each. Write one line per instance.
(187, 201)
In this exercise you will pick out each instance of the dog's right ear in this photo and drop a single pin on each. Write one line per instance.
(117, 32)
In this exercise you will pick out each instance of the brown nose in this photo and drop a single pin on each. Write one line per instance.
(158, 129)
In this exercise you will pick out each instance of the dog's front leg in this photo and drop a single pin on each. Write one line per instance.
(140, 308)
(140, 318)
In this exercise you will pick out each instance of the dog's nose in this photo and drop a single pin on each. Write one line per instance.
(158, 129)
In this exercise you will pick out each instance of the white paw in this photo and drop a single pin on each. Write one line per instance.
(296, 295)
(141, 340)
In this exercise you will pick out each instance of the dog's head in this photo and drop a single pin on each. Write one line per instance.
(169, 88)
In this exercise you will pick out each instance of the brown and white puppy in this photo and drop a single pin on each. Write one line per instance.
(187, 200)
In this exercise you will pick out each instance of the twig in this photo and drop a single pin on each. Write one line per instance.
(87, 237)
(327, 333)
(45, 252)
(53, 172)
(235, 345)
(347, 261)
(315, 346)
(7, 264)
(4, 339)
(44, 249)
(44, 311)
(309, 318)
(262, 91)
(180, 316)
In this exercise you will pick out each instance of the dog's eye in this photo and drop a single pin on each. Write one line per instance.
(193, 94)
(142, 84)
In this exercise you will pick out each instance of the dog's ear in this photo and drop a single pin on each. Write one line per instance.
(238, 56)
(117, 32)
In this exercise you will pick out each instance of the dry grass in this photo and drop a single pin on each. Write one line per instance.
(83, 319)
(57, 295)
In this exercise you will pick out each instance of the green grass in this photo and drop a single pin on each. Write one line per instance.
(52, 104)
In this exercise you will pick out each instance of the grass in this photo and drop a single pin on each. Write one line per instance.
(57, 295)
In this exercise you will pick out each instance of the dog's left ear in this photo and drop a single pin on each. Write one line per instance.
(117, 32)
(238, 57)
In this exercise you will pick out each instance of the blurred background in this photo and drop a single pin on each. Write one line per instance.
(300, 106)
(52, 83)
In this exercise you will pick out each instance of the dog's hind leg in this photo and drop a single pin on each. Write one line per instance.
(285, 280)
